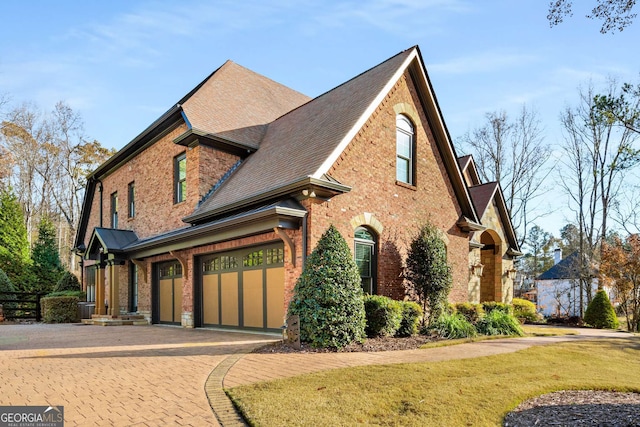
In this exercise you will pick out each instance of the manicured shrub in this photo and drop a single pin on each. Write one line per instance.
(59, 309)
(452, 326)
(489, 306)
(497, 322)
(68, 282)
(600, 313)
(81, 295)
(328, 296)
(383, 316)
(524, 309)
(471, 312)
(428, 272)
(411, 316)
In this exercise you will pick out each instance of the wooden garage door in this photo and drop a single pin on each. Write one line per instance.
(170, 293)
(244, 289)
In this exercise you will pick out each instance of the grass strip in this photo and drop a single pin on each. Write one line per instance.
(470, 392)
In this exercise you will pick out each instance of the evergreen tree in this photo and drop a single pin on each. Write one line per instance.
(14, 245)
(428, 271)
(47, 267)
(600, 313)
(328, 296)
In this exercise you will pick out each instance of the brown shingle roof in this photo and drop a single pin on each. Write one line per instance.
(238, 104)
(297, 144)
(482, 195)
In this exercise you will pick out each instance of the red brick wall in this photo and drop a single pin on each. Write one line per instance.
(152, 170)
(368, 165)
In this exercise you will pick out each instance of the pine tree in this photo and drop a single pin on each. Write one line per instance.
(14, 245)
(328, 296)
(47, 267)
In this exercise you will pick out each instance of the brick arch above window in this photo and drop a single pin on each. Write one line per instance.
(407, 110)
(367, 219)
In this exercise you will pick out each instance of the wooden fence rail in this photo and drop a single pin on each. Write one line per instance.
(21, 305)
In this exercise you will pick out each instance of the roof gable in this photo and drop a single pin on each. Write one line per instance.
(306, 142)
(483, 195)
(468, 169)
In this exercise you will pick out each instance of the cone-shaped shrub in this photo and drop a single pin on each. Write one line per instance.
(328, 296)
(68, 282)
(600, 313)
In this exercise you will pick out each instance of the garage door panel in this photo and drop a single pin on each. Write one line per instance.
(275, 297)
(252, 296)
(177, 299)
(210, 300)
(229, 303)
(166, 300)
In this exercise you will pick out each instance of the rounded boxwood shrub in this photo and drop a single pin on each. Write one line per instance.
(383, 316)
(452, 326)
(472, 312)
(68, 282)
(328, 296)
(489, 306)
(524, 309)
(59, 309)
(497, 322)
(600, 313)
(82, 296)
(411, 316)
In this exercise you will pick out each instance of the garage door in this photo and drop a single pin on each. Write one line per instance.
(170, 293)
(243, 289)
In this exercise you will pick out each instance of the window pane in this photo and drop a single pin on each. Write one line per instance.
(253, 259)
(403, 144)
(275, 256)
(362, 233)
(363, 259)
(182, 168)
(402, 170)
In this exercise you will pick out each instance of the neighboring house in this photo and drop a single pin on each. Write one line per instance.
(558, 288)
(206, 217)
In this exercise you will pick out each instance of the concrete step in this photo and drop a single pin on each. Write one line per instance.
(110, 321)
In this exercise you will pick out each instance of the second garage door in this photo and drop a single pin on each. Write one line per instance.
(243, 289)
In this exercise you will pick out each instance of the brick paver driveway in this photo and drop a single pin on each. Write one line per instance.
(122, 376)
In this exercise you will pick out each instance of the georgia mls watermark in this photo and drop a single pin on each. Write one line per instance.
(31, 416)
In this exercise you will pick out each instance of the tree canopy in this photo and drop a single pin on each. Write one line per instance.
(615, 14)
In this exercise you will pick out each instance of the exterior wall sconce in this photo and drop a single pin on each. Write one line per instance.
(511, 273)
(477, 269)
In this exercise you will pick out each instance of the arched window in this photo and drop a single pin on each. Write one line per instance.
(404, 150)
(365, 256)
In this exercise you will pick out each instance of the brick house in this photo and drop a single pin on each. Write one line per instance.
(207, 216)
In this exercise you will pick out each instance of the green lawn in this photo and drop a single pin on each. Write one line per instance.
(472, 392)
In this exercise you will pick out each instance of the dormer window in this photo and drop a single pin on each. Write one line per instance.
(405, 166)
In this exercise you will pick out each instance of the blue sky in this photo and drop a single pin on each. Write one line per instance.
(123, 63)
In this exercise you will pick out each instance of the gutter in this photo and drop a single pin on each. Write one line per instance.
(330, 189)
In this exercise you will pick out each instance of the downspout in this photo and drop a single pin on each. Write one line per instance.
(304, 239)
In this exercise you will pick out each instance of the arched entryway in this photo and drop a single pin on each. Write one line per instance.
(491, 258)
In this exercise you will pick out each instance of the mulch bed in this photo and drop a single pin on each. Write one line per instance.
(370, 344)
(578, 408)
